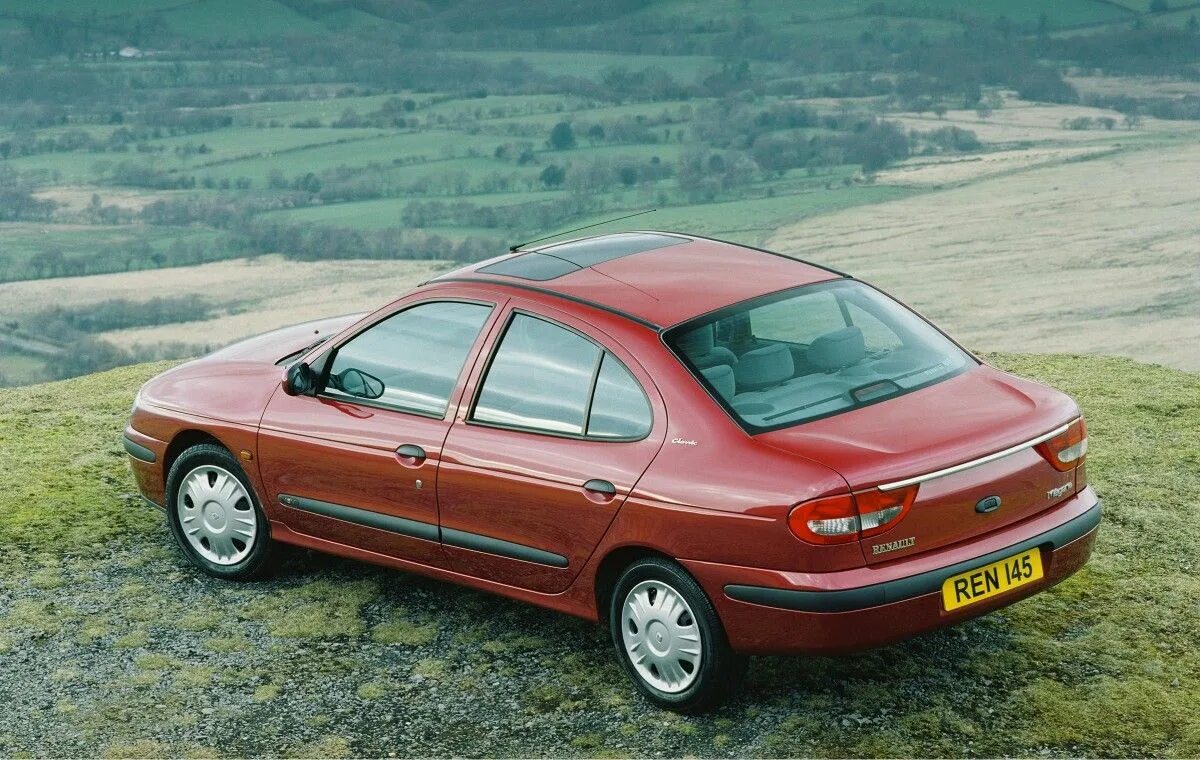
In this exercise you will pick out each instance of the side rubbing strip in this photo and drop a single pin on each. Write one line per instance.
(490, 545)
(138, 451)
(390, 523)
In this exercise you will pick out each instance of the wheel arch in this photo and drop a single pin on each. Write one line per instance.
(610, 568)
(184, 440)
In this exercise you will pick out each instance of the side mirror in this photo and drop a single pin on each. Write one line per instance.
(301, 380)
(355, 382)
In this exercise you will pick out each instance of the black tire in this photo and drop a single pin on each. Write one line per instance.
(262, 550)
(720, 671)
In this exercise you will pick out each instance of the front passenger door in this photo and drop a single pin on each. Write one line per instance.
(358, 463)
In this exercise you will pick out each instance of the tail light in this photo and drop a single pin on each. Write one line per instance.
(849, 517)
(1067, 449)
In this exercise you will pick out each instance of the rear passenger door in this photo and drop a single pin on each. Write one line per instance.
(561, 425)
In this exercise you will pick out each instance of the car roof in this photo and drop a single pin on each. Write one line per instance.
(652, 277)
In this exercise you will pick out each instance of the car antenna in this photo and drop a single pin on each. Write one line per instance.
(518, 246)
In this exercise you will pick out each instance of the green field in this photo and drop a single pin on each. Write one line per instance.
(387, 149)
(287, 112)
(386, 212)
(20, 369)
(236, 142)
(1058, 13)
(91, 248)
(239, 20)
(752, 221)
(686, 68)
(101, 8)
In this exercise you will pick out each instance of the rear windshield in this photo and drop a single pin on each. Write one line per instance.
(813, 351)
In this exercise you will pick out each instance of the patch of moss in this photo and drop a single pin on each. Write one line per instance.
(36, 617)
(47, 578)
(326, 747)
(132, 640)
(430, 668)
(372, 690)
(193, 676)
(94, 627)
(266, 692)
(405, 632)
(321, 609)
(551, 697)
(154, 661)
(141, 748)
(200, 621)
(587, 741)
(226, 644)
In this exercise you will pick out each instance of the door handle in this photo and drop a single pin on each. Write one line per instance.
(410, 453)
(602, 487)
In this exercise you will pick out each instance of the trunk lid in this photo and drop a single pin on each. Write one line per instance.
(973, 415)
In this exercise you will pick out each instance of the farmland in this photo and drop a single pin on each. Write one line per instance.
(286, 139)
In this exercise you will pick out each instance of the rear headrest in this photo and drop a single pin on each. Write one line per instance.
(837, 349)
(696, 342)
(764, 367)
(721, 378)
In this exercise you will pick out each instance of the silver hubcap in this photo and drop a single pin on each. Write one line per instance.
(661, 636)
(216, 515)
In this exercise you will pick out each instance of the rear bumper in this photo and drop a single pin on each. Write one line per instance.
(772, 612)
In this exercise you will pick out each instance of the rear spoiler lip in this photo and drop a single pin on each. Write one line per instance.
(976, 462)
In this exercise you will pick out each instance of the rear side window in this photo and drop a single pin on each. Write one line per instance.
(547, 378)
(411, 360)
(619, 407)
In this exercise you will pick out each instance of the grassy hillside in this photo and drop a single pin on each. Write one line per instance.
(110, 644)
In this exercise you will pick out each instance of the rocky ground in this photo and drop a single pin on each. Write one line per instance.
(110, 644)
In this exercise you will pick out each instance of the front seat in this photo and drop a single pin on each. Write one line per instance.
(764, 367)
(701, 350)
(835, 350)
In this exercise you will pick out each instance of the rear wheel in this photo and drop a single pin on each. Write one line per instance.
(215, 516)
(669, 639)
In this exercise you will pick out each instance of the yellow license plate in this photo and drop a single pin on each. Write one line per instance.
(991, 580)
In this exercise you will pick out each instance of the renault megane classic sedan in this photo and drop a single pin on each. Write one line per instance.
(717, 450)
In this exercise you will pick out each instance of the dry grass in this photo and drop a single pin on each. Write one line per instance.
(1138, 87)
(934, 172)
(251, 295)
(1088, 257)
(78, 197)
(1021, 121)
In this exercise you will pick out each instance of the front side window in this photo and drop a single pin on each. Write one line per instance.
(411, 360)
(547, 378)
(813, 351)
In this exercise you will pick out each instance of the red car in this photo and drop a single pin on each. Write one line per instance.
(717, 450)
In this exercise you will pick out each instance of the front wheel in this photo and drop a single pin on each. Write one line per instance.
(215, 516)
(669, 639)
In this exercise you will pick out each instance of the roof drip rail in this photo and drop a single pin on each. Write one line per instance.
(838, 272)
